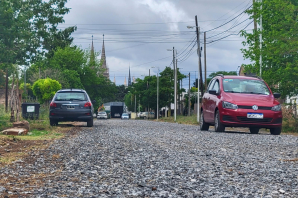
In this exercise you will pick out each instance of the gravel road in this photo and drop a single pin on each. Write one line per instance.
(139, 158)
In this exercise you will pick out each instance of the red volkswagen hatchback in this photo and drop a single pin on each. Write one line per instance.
(240, 101)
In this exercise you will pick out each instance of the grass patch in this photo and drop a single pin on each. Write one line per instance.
(11, 157)
(190, 120)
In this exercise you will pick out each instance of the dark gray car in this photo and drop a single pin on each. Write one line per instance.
(71, 105)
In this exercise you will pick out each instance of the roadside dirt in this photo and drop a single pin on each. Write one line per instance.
(16, 150)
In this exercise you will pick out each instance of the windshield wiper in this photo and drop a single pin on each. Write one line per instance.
(232, 91)
(253, 92)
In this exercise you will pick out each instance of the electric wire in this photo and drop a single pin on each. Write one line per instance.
(229, 20)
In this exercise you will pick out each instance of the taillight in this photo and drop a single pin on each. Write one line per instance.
(87, 104)
(53, 104)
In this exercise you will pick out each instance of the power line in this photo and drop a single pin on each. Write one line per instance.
(229, 20)
(229, 34)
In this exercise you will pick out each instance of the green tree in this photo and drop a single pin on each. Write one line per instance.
(279, 45)
(29, 29)
(146, 89)
(45, 89)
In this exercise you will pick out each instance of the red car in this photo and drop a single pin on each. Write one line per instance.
(240, 101)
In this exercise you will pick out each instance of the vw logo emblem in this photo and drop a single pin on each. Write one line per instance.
(255, 107)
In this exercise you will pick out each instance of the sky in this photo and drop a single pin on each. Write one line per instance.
(141, 34)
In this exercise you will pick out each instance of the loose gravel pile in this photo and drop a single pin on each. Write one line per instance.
(138, 158)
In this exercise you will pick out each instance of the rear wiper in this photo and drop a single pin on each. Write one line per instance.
(72, 99)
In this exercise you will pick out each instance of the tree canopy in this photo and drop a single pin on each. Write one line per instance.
(279, 44)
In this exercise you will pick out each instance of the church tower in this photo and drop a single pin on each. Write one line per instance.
(92, 55)
(103, 60)
(129, 78)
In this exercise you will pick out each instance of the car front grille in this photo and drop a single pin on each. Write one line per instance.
(228, 118)
(254, 120)
(250, 107)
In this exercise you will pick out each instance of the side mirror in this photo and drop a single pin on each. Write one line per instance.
(213, 92)
(276, 95)
(93, 101)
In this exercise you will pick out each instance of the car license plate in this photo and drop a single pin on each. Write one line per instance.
(255, 115)
(70, 107)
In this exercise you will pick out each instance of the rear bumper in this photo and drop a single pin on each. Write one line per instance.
(102, 117)
(238, 118)
(84, 115)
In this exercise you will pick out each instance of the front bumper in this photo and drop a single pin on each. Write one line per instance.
(238, 118)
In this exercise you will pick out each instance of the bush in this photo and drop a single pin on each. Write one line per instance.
(290, 122)
(4, 118)
(45, 89)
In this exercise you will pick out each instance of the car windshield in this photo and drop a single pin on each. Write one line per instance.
(102, 113)
(66, 96)
(125, 114)
(249, 86)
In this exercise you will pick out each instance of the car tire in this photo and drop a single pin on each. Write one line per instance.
(203, 125)
(219, 127)
(53, 122)
(254, 130)
(275, 131)
(90, 123)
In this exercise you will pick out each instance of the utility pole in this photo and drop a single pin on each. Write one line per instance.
(157, 99)
(181, 100)
(135, 103)
(199, 69)
(6, 91)
(205, 61)
(147, 99)
(189, 94)
(25, 82)
(175, 89)
(261, 40)
(255, 21)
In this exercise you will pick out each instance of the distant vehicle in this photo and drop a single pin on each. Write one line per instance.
(117, 115)
(240, 101)
(71, 105)
(124, 116)
(102, 115)
(145, 115)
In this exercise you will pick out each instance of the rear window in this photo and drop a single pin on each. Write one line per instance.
(102, 113)
(125, 114)
(63, 96)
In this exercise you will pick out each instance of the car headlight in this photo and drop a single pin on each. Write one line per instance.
(276, 108)
(229, 105)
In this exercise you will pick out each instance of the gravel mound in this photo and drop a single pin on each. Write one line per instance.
(139, 158)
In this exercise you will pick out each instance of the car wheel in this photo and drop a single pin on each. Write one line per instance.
(219, 127)
(254, 130)
(203, 125)
(275, 131)
(90, 123)
(53, 122)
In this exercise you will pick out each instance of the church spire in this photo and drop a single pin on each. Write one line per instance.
(92, 55)
(92, 47)
(103, 59)
(129, 78)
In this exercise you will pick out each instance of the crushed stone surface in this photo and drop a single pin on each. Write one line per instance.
(139, 158)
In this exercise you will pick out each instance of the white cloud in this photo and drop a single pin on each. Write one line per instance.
(167, 11)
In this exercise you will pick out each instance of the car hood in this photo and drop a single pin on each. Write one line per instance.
(250, 99)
